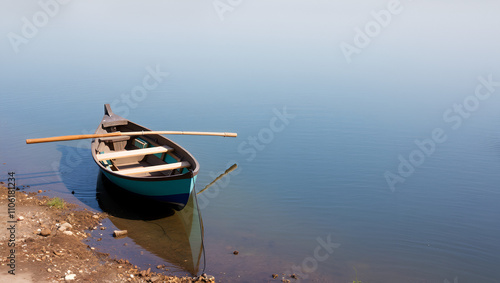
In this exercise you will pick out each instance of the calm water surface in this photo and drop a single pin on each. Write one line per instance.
(317, 135)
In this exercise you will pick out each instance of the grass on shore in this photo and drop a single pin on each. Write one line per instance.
(57, 203)
(356, 280)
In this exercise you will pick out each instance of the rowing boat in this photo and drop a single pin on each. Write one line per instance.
(148, 165)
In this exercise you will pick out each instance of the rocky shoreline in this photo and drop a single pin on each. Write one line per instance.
(41, 243)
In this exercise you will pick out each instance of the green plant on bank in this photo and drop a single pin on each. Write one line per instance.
(356, 281)
(56, 202)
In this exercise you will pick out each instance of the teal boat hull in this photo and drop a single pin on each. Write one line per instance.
(175, 192)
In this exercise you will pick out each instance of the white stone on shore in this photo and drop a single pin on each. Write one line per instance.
(119, 233)
(70, 277)
(65, 226)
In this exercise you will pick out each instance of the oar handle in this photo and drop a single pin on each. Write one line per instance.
(72, 137)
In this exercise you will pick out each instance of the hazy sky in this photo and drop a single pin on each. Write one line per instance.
(380, 41)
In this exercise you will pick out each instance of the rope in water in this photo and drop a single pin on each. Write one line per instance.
(201, 230)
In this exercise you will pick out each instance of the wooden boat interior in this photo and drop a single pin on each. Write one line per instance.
(137, 156)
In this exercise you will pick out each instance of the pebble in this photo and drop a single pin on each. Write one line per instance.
(65, 226)
(118, 233)
(68, 233)
(70, 277)
(39, 191)
(275, 276)
(236, 252)
(20, 218)
(45, 232)
(95, 216)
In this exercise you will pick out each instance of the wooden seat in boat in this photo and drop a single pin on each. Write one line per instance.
(135, 152)
(156, 168)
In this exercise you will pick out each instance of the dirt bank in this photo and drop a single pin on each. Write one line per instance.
(39, 243)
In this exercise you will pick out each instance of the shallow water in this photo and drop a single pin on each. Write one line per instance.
(316, 134)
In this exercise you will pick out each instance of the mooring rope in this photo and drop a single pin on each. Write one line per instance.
(201, 230)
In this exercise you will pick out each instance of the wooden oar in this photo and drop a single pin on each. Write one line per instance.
(229, 170)
(117, 134)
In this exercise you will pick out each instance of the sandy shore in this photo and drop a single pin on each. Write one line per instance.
(37, 246)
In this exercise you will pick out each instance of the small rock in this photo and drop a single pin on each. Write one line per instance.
(68, 233)
(103, 228)
(275, 276)
(20, 218)
(294, 276)
(45, 232)
(39, 191)
(70, 277)
(119, 233)
(49, 270)
(65, 226)
(236, 252)
(95, 216)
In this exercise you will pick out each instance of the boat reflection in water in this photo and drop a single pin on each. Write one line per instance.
(174, 235)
